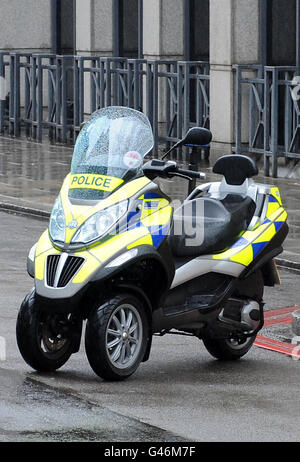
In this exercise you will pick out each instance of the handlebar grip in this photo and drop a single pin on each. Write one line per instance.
(191, 173)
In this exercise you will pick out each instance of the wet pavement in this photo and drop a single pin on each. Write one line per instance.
(31, 175)
(180, 394)
(33, 411)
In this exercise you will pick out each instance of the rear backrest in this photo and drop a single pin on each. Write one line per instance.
(236, 169)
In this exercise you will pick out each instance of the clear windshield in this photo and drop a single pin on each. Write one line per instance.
(109, 151)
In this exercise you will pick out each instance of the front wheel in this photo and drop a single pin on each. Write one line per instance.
(228, 349)
(116, 337)
(46, 341)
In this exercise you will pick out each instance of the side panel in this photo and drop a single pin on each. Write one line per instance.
(251, 243)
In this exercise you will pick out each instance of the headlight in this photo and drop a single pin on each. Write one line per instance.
(98, 224)
(57, 226)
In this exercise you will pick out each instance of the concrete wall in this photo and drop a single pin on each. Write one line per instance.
(94, 27)
(25, 25)
(234, 39)
(163, 29)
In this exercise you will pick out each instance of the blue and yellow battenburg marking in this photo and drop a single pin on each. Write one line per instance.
(274, 202)
(93, 181)
(153, 212)
(251, 243)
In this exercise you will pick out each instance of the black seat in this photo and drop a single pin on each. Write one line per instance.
(235, 168)
(206, 226)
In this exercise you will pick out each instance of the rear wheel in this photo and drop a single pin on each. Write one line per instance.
(228, 349)
(45, 341)
(116, 337)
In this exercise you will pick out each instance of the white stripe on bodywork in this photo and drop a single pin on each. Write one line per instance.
(200, 266)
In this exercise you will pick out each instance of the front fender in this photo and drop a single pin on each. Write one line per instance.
(141, 253)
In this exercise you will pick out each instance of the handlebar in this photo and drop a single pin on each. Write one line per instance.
(191, 173)
(159, 168)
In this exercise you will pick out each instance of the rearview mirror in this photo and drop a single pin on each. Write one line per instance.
(197, 136)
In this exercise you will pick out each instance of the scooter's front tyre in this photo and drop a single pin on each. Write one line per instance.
(41, 348)
(116, 337)
(228, 349)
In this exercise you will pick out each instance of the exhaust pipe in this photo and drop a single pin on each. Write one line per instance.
(250, 315)
(244, 315)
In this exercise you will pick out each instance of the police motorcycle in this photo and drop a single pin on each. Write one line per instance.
(117, 255)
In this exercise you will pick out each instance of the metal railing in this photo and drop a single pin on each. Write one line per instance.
(271, 127)
(50, 95)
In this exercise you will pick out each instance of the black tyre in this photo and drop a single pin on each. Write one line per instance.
(41, 345)
(228, 349)
(116, 337)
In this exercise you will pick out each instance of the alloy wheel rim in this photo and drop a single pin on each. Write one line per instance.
(51, 345)
(124, 336)
(235, 345)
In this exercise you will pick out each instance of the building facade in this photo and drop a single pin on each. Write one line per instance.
(223, 33)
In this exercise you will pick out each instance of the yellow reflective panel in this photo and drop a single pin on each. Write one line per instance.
(276, 193)
(147, 240)
(267, 235)
(161, 217)
(277, 214)
(93, 181)
(282, 217)
(151, 206)
(251, 235)
(40, 261)
(43, 244)
(117, 243)
(272, 207)
(244, 257)
(128, 190)
(227, 254)
(39, 267)
(88, 268)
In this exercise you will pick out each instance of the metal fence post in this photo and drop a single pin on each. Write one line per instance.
(12, 63)
(149, 91)
(2, 101)
(267, 116)
(17, 113)
(76, 96)
(186, 104)
(58, 99)
(27, 102)
(155, 108)
(64, 98)
(180, 89)
(238, 98)
(274, 122)
(92, 86)
(40, 99)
